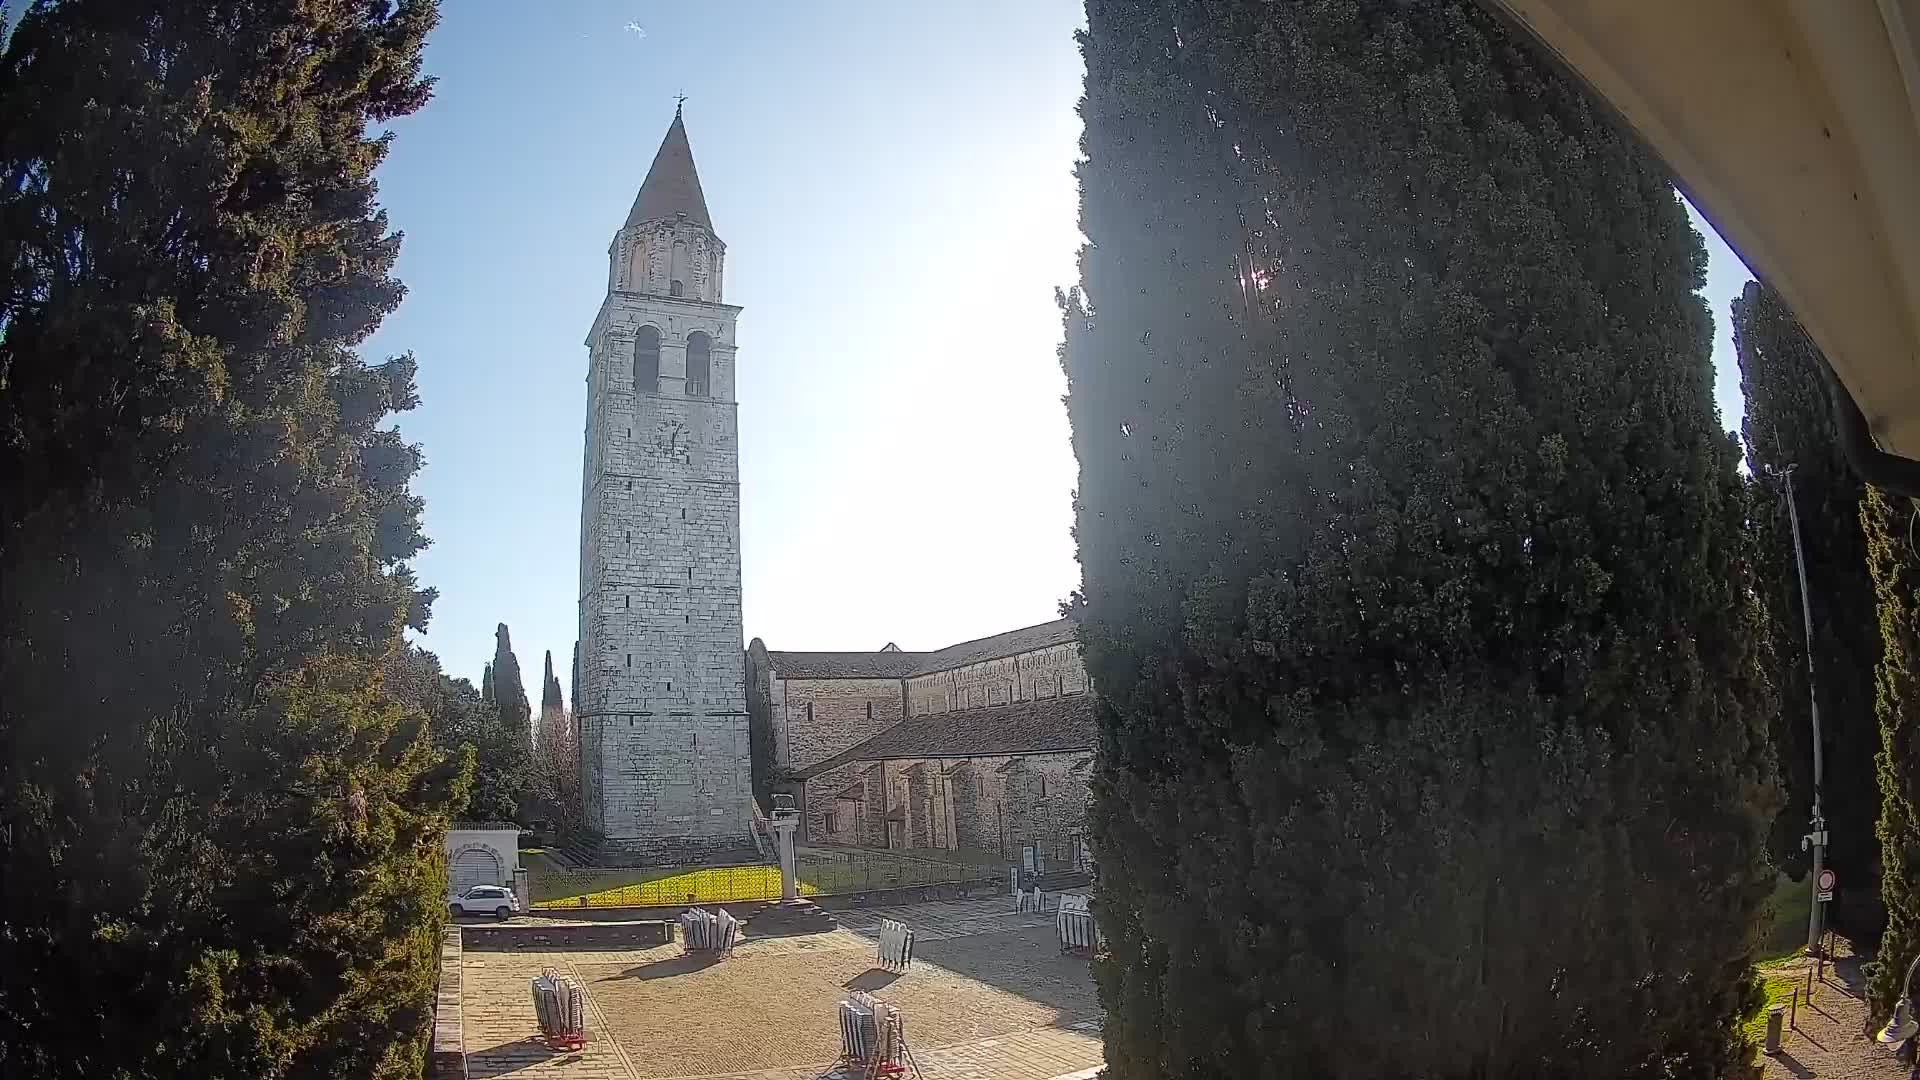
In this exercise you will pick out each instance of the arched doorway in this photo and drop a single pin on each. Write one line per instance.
(472, 866)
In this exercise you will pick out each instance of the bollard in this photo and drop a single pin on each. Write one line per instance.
(1776, 1017)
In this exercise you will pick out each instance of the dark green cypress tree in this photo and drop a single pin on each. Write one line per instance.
(509, 693)
(551, 703)
(1890, 528)
(220, 848)
(504, 754)
(1789, 424)
(1435, 741)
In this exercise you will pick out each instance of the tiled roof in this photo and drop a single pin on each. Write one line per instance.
(672, 186)
(1047, 726)
(889, 664)
(1025, 639)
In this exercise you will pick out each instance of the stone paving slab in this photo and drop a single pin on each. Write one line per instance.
(989, 996)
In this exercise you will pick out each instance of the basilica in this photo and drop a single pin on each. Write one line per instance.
(983, 746)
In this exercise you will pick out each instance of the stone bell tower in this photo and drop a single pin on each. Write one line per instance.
(661, 709)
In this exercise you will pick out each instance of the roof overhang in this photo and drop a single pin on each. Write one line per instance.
(1794, 126)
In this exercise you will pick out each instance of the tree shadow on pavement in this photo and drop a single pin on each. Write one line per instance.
(509, 1058)
(685, 964)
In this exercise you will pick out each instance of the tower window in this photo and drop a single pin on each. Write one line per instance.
(646, 361)
(699, 365)
(678, 269)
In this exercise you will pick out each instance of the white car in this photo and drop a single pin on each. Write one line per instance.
(485, 900)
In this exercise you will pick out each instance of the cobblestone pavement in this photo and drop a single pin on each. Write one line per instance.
(989, 996)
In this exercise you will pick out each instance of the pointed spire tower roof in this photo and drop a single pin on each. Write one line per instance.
(672, 186)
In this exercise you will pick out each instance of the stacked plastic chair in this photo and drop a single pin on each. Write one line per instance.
(873, 1039)
(1074, 924)
(708, 931)
(559, 1004)
(895, 949)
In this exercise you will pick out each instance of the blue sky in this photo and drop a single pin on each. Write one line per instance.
(894, 184)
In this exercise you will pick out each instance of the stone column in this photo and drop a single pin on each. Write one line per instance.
(784, 823)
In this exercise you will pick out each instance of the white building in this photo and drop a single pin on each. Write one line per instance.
(482, 853)
(661, 709)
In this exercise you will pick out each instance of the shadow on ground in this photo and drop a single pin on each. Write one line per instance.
(508, 1058)
(871, 979)
(685, 964)
(1793, 1065)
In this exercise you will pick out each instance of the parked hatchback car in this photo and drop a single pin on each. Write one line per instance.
(485, 900)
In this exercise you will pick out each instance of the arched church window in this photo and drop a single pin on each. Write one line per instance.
(646, 361)
(699, 365)
(678, 271)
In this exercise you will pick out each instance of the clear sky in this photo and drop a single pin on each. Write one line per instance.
(894, 185)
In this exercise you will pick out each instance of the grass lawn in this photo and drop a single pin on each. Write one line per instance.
(553, 885)
(1779, 987)
(1786, 917)
(1787, 908)
(648, 887)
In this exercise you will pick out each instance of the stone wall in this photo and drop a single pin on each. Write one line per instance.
(1042, 673)
(987, 804)
(814, 719)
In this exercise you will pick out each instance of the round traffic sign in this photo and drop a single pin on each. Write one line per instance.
(1826, 881)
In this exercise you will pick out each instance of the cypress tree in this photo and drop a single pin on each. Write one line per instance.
(220, 846)
(503, 758)
(1789, 424)
(1434, 737)
(1895, 564)
(551, 703)
(509, 693)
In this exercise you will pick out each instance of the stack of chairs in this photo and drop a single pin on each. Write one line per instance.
(873, 1040)
(895, 950)
(559, 1004)
(708, 931)
(1074, 924)
(1030, 900)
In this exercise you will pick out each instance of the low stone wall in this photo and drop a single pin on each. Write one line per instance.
(447, 1056)
(625, 934)
(913, 894)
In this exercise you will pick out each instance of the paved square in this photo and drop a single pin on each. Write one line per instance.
(989, 996)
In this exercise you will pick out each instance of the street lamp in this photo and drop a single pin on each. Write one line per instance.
(1902, 1026)
(1817, 839)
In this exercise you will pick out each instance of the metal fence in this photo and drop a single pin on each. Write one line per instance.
(819, 873)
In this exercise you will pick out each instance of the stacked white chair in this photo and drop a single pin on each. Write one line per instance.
(873, 1039)
(559, 1004)
(709, 931)
(1074, 924)
(895, 950)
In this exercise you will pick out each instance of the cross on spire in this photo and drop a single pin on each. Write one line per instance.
(678, 101)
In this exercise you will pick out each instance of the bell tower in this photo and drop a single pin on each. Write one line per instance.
(661, 710)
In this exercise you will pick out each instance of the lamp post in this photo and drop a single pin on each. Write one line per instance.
(1816, 840)
(1901, 1026)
